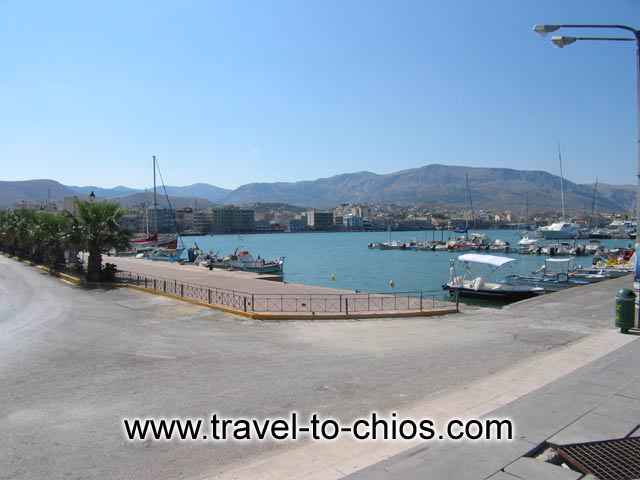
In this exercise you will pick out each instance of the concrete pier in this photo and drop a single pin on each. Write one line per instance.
(250, 294)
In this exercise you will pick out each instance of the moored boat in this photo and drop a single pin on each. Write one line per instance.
(483, 287)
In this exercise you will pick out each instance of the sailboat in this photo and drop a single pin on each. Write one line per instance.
(563, 229)
(465, 230)
(166, 248)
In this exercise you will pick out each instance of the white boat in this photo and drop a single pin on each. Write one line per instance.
(559, 231)
(470, 285)
(525, 240)
(528, 245)
(499, 245)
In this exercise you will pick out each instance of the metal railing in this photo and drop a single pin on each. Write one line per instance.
(345, 303)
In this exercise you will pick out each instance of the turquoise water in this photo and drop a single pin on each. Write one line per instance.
(312, 258)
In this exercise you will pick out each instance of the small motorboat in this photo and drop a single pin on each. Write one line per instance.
(554, 275)
(473, 286)
(500, 246)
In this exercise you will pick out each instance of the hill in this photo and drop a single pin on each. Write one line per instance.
(491, 188)
(32, 191)
(138, 199)
(200, 190)
(114, 192)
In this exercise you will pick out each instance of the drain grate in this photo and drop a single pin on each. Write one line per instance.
(607, 460)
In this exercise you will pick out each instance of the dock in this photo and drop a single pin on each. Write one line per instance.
(259, 297)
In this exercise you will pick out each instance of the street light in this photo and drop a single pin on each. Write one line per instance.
(544, 29)
(563, 41)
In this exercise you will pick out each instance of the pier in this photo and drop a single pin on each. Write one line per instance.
(251, 295)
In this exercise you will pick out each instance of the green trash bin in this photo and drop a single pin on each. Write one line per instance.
(625, 309)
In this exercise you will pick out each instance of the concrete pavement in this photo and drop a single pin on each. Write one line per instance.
(599, 401)
(73, 362)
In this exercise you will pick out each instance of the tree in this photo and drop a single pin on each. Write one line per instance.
(99, 232)
(51, 234)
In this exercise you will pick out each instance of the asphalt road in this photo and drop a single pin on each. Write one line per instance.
(74, 362)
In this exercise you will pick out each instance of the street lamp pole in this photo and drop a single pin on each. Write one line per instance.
(563, 41)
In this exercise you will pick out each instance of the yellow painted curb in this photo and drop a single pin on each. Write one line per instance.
(293, 316)
(65, 277)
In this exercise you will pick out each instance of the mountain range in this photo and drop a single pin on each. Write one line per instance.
(489, 188)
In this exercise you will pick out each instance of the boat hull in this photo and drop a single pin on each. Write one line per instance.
(495, 295)
(558, 235)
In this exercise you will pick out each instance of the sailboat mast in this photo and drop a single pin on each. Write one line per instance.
(561, 182)
(470, 202)
(155, 199)
(593, 200)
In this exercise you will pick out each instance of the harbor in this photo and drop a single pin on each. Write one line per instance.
(343, 261)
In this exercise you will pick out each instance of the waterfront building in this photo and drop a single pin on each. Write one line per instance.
(296, 225)
(202, 221)
(352, 222)
(162, 220)
(184, 219)
(319, 220)
(232, 219)
(132, 221)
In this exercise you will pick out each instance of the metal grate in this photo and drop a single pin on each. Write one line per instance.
(607, 460)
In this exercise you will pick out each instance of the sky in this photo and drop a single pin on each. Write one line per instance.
(234, 92)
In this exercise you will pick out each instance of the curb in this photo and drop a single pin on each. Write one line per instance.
(266, 316)
(65, 277)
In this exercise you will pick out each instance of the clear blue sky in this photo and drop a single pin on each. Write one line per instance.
(242, 91)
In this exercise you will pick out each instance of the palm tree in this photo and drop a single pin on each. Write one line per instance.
(52, 233)
(98, 224)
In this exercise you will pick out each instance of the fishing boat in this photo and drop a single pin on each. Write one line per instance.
(483, 287)
(244, 261)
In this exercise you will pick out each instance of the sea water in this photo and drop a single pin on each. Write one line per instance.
(343, 259)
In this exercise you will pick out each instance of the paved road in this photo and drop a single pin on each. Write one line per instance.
(73, 362)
